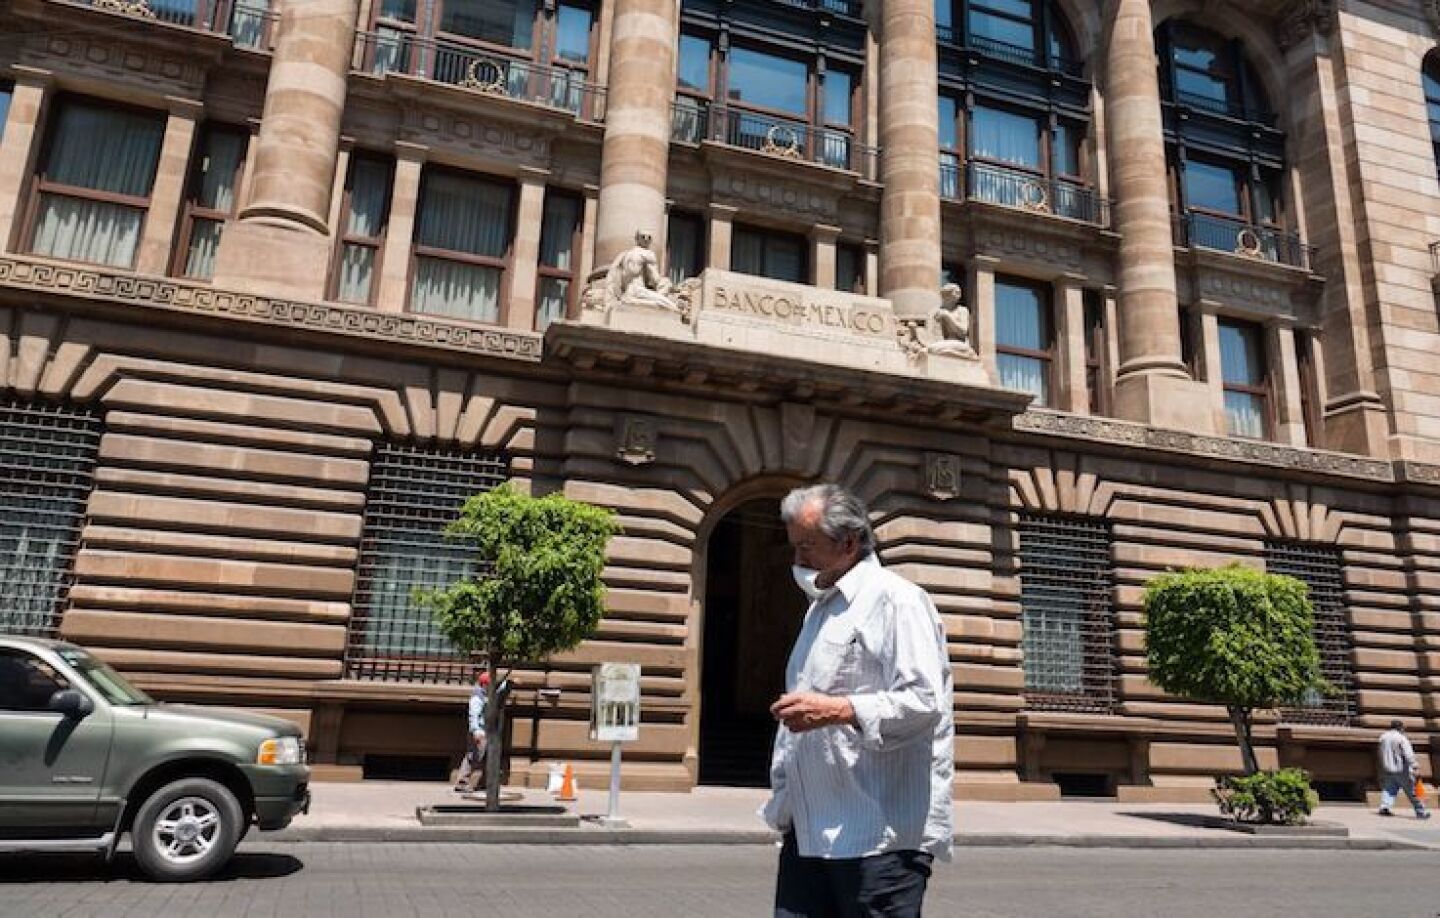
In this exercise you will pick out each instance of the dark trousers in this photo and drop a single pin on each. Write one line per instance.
(889, 885)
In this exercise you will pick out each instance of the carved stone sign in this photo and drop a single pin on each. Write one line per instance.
(792, 304)
(942, 475)
(636, 437)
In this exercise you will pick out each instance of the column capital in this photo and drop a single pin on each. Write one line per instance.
(185, 108)
(405, 151)
(824, 232)
(533, 175)
(724, 212)
(36, 77)
(1305, 19)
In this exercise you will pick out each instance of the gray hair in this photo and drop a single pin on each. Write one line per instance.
(842, 514)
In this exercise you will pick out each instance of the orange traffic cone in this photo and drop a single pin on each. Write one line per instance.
(567, 786)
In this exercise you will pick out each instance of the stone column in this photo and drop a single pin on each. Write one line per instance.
(20, 147)
(167, 194)
(1285, 376)
(1150, 367)
(872, 267)
(722, 226)
(1214, 373)
(635, 156)
(909, 158)
(519, 311)
(283, 231)
(1070, 296)
(400, 231)
(822, 255)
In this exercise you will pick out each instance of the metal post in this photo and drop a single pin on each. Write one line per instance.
(612, 818)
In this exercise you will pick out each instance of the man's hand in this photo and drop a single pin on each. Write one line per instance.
(802, 711)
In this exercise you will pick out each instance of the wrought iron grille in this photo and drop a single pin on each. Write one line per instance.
(414, 492)
(1319, 568)
(47, 469)
(1065, 589)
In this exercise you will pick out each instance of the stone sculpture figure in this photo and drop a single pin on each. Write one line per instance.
(950, 325)
(634, 278)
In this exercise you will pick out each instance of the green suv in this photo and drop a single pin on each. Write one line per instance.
(86, 757)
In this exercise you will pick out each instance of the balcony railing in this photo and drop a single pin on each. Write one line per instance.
(694, 121)
(1021, 190)
(1013, 54)
(461, 65)
(1224, 234)
(249, 22)
(842, 7)
(1230, 108)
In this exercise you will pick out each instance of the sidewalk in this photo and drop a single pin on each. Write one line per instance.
(385, 811)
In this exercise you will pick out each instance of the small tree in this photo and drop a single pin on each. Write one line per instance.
(537, 590)
(1235, 637)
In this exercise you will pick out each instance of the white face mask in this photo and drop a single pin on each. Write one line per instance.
(805, 580)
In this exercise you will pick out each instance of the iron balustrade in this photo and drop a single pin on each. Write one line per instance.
(1319, 567)
(468, 67)
(250, 24)
(1012, 54)
(1238, 237)
(1229, 108)
(841, 7)
(1022, 190)
(694, 121)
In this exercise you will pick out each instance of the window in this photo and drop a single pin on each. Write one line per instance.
(249, 24)
(211, 203)
(462, 242)
(1212, 187)
(27, 682)
(1005, 136)
(1097, 381)
(1019, 31)
(1431, 77)
(950, 113)
(1246, 380)
(768, 254)
(693, 69)
(1320, 568)
(6, 91)
(572, 34)
(850, 268)
(1009, 22)
(767, 81)
(1309, 388)
(414, 493)
(1189, 353)
(559, 240)
(499, 22)
(47, 470)
(1068, 628)
(364, 214)
(93, 188)
(685, 245)
(1024, 337)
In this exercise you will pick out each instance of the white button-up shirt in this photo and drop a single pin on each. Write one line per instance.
(876, 639)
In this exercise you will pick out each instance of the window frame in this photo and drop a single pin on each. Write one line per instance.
(41, 186)
(702, 228)
(1047, 312)
(1262, 391)
(769, 235)
(550, 272)
(504, 264)
(1096, 347)
(344, 238)
(192, 211)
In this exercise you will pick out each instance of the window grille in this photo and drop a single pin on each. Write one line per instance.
(1065, 588)
(414, 493)
(1319, 568)
(47, 470)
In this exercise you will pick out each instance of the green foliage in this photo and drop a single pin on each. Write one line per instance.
(1281, 797)
(1232, 636)
(539, 591)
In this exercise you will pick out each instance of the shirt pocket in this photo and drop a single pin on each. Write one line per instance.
(841, 666)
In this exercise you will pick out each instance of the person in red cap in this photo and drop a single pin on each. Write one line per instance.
(474, 761)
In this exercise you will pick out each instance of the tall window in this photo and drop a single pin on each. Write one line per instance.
(559, 241)
(1097, 380)
(1431, 75)
(1246, 380)
(47, 470)
(1024, 337)
(1320, 568)
(93, 189)
(414, 493)
(1309, 388)
(364, 215)
(1019, 31)
(685, 246)
(850, 268)
(769, 254)
(1068, 636)
(214, 176)
(6, 91)
(462, 245)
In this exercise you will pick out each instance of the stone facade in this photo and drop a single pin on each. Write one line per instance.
(222, 553)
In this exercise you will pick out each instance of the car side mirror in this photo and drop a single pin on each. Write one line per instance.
(71, 703)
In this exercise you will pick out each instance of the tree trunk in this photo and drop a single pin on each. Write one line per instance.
(1240, 719)
(493, 739)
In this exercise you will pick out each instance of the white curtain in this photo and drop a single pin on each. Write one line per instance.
(1027, 374)
(223, 152)
(357, 267)
(554, 300)
(461, 214)
(1021, 322)
(557, 231)
(204, 242)
(453, 288)
(1005, 136)
(1245, 415)
(112, 151)
(369, 201)
(682, 248)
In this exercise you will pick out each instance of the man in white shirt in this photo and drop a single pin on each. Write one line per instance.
(474, 761)
(1398, 770)
(864, 754)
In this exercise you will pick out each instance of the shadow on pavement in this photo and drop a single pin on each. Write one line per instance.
(1192, 820)
(87, 868)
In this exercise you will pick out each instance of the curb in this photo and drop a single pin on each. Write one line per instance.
(596, 835)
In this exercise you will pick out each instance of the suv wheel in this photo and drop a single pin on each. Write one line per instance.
(186, 830)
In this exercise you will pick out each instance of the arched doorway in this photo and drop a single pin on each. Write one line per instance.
(752, 614)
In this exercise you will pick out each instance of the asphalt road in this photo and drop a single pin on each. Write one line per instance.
(389, 881)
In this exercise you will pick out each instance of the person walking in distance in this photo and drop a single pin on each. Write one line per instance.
(474, 761)
(1398, 770)
(864, 752)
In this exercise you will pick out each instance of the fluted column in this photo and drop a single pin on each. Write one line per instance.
(909, 157)
(1149, 307)
(283, 231)
(636, 148)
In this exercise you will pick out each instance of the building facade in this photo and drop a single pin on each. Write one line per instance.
(1071, 292)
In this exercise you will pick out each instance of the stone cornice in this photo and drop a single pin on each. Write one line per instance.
(107, 286)
(1179, 443)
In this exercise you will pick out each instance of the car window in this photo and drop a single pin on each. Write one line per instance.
(102, 678)
(27, 682)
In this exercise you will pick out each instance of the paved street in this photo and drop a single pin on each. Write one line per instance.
(358, 880)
